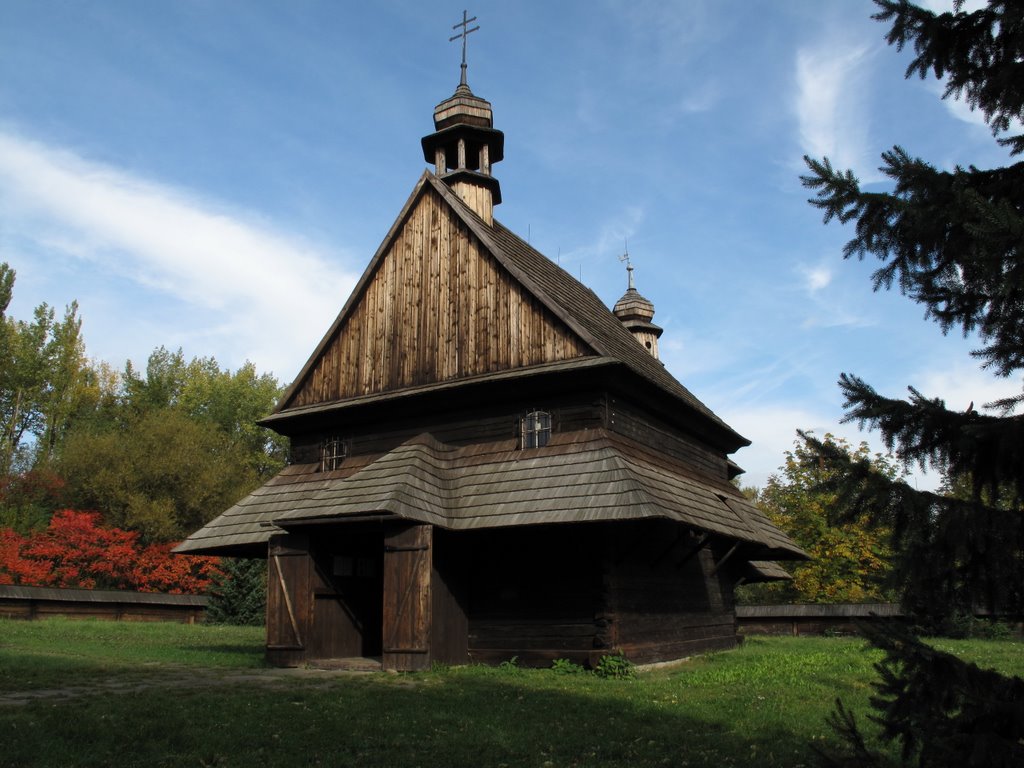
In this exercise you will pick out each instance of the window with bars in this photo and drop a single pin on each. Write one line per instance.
(535, 429)
(333, 451)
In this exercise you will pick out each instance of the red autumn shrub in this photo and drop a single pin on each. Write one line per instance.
(75, 550)
(15, 569)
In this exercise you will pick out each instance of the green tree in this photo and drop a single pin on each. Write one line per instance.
(43, 375)
(232, 402)
(163, 474)
(952, 241)
(849, 560)
(174, 447)
(239, 595)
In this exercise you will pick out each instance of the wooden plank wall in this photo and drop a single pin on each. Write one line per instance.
(113, 610)
(438, 308)
(347, 606)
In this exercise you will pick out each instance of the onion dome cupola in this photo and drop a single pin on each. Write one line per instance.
(465, 143)
(635, 312)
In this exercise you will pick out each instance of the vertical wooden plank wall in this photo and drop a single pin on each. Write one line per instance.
(438, 308)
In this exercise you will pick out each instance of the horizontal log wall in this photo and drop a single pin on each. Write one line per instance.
(813, 619)
(664, 599)
(470, 425)
(533, 594)
(633, 422)
(437, 308)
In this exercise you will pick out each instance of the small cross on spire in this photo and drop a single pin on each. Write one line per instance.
(465, 33)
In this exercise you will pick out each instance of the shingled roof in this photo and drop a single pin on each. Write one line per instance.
(588, 476)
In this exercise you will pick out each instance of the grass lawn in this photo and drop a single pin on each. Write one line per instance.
(763, 704)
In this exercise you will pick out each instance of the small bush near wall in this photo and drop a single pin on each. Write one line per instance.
(239, 594)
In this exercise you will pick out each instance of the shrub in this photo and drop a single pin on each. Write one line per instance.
(239, 594)
(615, 666)
(566, 667)
(75, 550)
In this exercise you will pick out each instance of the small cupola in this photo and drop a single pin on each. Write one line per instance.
(635, 312)
(465, 143)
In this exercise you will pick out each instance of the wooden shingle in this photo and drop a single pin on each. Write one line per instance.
(585, 476)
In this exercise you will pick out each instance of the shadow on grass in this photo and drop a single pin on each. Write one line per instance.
(457, 718)
(255, 651)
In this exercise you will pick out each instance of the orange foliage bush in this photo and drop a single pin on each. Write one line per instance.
(75, 550)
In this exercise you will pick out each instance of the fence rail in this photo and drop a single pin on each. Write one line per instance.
(17, 602)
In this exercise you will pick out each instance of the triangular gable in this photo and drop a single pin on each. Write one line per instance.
(433, 305)
(583, 311)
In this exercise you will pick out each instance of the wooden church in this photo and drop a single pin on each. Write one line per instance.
(487, 463)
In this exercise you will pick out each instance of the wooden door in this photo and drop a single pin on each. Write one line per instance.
(288, 599)
(407, 568)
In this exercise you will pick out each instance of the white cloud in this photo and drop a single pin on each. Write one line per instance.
(942, 6)
(963, 383)
(772, 427)
(255, 287)
(612, 239)
(831, 80)
(816, 278)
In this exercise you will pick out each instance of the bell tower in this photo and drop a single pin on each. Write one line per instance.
(465, 143)
(635, 312)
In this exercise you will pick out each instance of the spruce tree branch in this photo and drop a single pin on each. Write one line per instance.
(922, 431)
(952, 241)
(980, 53)
(943, 710)
(956, 553)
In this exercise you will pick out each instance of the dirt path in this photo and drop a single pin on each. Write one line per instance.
(176, 678)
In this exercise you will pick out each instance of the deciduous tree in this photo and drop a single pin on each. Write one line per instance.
(42, 379)
(849, 559)
(162, 474)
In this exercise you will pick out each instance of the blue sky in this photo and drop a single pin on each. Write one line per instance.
(215, 174)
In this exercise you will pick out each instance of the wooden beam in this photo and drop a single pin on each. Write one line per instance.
(728, 554)
(668, 550)
(692, 551)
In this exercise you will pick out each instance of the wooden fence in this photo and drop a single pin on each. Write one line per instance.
(843, 618)
(40, 602)
(810, 619)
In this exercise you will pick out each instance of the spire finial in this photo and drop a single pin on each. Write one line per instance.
(465, 33)
(629, 266)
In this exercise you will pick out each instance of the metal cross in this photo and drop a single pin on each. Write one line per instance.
(463, 34)
(629, 266)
